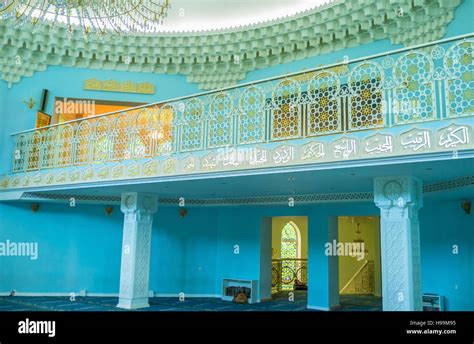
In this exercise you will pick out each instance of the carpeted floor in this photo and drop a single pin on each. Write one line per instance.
(199, 304)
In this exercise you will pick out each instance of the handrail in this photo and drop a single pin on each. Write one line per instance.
(413, 87)
(354, 276)
(219, 90)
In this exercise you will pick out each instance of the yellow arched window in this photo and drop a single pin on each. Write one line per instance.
(290, 252)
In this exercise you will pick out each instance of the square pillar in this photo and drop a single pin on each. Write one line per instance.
(138, 209)
(323, 270)
(399, 199)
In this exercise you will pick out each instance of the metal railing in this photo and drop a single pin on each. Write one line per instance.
(433, 81)
(289, 274)
(363, 281)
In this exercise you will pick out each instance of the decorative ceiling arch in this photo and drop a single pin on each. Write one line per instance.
(218, 59)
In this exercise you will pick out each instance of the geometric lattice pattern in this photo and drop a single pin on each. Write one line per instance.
(221, 121)
(252, 116)
(428, 83)
(365, 84)
(415, 90)
(192, 124)
(324, 109)
(459, 67)
(286, 115)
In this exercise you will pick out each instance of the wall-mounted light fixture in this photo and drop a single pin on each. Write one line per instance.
(466, 206)
(35, 207)
(29, 103)
(109, 210)
(183, 212)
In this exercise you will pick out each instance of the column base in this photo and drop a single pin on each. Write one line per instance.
(133, 303)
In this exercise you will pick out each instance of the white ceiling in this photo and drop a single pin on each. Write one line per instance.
(193, 15)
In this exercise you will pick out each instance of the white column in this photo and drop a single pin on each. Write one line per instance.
(399, 199)
(138, 209)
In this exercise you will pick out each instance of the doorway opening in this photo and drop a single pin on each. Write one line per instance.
(358, 246)
(289, 269)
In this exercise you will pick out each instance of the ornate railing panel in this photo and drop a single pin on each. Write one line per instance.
(432, 82)
(289, 274)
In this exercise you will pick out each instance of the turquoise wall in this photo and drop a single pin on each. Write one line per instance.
(79, 248)
(462, 22)
(184, 251)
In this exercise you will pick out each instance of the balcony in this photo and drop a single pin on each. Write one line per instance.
(407, 102)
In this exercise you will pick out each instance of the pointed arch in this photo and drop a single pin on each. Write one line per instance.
(290, 241)
(290, 255)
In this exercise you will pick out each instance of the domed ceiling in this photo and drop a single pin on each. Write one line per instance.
(199, 38)
(203, 15)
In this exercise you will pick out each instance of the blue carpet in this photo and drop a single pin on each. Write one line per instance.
(279, 302)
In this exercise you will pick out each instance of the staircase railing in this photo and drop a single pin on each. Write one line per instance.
(362, 282)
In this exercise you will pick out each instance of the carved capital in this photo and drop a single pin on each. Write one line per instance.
(398, 195)
(135, 202)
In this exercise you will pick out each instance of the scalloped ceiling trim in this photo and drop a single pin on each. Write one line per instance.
(222, 59)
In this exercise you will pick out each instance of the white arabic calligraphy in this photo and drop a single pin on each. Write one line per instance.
(345, 149)
(454, 137)
(313, 150)
(283, 155)
(376, 146)
(417, 140)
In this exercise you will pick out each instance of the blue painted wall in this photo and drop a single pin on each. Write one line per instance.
(462, 22)
(444, 224)
(184, 252)
(79, 248)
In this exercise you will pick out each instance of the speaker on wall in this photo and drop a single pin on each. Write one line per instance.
(44, 100)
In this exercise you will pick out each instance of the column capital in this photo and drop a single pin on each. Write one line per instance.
(139, 202)
(399, 199)
(401, 192)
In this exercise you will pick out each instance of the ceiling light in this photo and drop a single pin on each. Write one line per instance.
(90, 16)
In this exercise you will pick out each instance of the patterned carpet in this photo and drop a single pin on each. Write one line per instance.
(199, 304)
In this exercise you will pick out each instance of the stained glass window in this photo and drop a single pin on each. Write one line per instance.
(289, 254)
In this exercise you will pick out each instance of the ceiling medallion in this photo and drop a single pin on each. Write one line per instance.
(90, 16)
